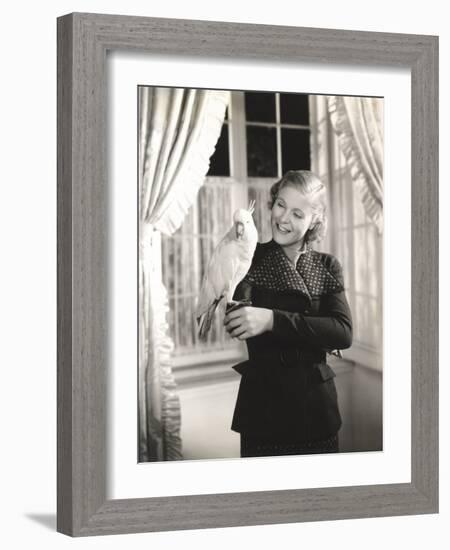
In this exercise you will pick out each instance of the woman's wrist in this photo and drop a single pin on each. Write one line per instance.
(269, 325)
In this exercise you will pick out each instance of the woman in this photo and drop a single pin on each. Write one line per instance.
(287, 401)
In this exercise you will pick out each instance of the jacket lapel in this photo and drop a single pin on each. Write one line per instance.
(273, 271)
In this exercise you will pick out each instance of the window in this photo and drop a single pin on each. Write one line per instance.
(220, 164)
(276, 132)
(360, 249)
(263, 136)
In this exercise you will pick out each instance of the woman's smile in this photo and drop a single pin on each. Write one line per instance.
(282, 229)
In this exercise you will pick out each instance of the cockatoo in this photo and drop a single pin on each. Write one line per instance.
(227, 267)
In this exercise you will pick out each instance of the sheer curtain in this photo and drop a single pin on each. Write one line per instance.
(179, 129)
(358, 123)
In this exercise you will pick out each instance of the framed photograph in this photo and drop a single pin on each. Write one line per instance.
(247, 274)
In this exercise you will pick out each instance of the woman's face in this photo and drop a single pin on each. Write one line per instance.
(291, 217)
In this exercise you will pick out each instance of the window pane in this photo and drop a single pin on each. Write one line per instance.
(220, 160)
(362, 272)
(359, 211)
(261, 152)
(295, 151)
(294, 109)
(259, 107)
(362, 329)
(373, 246)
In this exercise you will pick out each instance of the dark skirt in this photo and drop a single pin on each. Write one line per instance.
(255, 446)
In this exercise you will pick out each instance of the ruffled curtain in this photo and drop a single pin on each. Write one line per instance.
(358, 123)
(179, 129)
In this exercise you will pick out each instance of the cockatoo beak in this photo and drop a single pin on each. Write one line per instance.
(239, 230)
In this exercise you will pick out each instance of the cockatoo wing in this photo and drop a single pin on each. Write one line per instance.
(228, 265)
(242, 268)
(220, 271)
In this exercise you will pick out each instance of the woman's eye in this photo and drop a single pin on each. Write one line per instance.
(298, 216)
(280, 205)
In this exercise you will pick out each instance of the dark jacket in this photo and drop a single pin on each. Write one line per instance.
(287, 388)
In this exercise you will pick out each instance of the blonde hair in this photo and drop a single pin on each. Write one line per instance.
(311, 186)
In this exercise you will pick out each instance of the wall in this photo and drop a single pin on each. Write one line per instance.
(367, 408)
(207, 410)
(206, 414)
(28, 276)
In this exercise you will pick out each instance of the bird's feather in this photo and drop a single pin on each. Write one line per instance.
(227, 266)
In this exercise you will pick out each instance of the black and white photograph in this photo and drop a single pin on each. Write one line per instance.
(222, 255)
(260, 274)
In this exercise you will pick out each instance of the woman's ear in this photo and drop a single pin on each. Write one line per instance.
(313, 227)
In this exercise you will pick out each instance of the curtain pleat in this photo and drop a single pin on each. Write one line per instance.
(179, 132)
(358, 124)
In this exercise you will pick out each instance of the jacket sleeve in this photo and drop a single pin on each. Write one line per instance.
(243, 292)
(332, 329)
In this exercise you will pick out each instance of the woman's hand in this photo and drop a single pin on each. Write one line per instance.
(246, 322)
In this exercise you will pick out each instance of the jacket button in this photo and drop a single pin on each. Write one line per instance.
(306, 310)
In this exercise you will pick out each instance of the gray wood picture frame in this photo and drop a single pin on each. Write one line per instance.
(83, 41)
